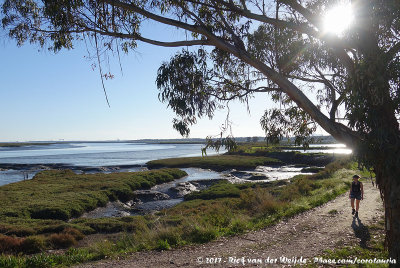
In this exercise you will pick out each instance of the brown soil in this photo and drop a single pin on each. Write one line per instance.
(306, 235)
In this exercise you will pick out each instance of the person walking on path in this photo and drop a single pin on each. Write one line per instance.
(356, 193)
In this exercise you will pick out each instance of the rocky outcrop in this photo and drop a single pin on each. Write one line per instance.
(150, 195)
(253, 176)
(258, 177)
(184, 188)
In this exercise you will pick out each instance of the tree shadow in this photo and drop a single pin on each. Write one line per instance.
(361, 231)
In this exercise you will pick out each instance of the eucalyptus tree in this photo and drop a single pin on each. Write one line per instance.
(235, 49)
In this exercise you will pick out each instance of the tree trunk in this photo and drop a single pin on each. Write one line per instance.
(390, 191)
(387, 170)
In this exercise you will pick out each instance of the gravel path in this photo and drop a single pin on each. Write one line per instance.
(304, 236)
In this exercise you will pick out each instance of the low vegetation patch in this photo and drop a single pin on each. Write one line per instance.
(216, 162)
(219, 190)
(35, 214)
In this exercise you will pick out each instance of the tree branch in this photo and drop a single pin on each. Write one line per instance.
(393, 51)
(302, 10)
(333, 41)
(164, 20)
(237, 41)
(302, 28)
(305, 79)
(138, 37)
(176, 43)
(338, 131)
(248, 91)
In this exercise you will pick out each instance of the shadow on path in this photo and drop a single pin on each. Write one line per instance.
(361, 231)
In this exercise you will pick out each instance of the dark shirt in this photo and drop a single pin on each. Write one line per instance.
(356, 187)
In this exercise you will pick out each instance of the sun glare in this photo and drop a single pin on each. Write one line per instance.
(338, 19)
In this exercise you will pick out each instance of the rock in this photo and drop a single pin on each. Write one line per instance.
(3, 169)
(44, 167)
(184, 188)
(257, 177)
(112, 209)
(249, 176)
(122, 214)
(150, 195)
(40, 167)
(241, 174)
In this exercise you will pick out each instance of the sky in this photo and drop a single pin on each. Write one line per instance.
(48, 96)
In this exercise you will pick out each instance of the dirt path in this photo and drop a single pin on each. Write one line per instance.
(306, 235)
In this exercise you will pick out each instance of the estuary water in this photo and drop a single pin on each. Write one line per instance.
(88, 154)
(126, 156)
(96, 154)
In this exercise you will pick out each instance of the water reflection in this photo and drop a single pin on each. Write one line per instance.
(325, 148)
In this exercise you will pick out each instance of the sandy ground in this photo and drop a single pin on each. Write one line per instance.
(304, 236)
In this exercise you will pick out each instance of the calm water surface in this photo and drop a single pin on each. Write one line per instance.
(98, 154)
(91, 154)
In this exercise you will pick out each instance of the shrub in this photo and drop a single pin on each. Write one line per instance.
(259, 201)
(50, 213)
(74, 233)
(9, 244)
(163, 245)
(202, 234)
(170, 236)
(33, 244)
(62, 240)
(218, 216)
(18, 230)
(237, 227)
(301, 186)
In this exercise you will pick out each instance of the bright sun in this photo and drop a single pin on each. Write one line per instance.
(338, 19)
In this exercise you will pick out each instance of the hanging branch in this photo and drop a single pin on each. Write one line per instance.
(98, 60)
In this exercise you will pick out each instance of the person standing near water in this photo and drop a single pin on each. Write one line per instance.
(357, 193)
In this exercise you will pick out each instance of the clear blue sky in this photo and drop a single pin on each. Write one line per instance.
(47, 96)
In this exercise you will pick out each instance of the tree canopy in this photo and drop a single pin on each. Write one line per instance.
(236, 49)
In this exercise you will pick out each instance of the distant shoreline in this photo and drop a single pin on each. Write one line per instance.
(318, 140)
(25, 167)
(22, 144)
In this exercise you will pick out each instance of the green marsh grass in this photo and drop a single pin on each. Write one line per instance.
(216, 162)
(39, 212)
(205, 216)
